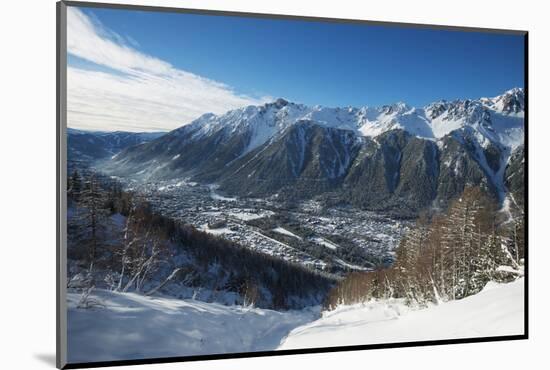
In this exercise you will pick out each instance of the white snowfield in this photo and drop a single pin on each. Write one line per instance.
(133, 326)
(496, 311)
(284, 231)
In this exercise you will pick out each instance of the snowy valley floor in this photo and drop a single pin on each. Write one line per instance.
(131, 326)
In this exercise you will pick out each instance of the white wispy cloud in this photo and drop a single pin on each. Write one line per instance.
(136, 91)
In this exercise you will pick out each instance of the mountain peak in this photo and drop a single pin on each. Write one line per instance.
(280, 102)
(399, 107)
(510, 102)
(515, 91)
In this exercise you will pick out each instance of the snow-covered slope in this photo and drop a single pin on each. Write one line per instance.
(133, 326)
(497, 310)
(499, 119)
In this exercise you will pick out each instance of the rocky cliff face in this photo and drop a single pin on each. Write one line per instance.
(514, 176)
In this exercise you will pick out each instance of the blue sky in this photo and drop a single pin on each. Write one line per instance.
(332, 64)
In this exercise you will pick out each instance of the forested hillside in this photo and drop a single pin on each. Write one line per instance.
(117, 242)
(445, 256)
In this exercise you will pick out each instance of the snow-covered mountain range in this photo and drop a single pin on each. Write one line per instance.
(499, 119)
(383, 158)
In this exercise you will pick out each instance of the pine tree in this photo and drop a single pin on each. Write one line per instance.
(92, 202)
(74, 185)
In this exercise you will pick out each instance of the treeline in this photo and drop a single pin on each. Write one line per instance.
(147, 251)
(444, 257)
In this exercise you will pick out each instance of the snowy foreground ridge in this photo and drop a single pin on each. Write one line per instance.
(496, 311)
(132, 326)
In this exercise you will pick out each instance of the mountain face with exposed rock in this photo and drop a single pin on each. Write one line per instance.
(393, 158)
(514, 176)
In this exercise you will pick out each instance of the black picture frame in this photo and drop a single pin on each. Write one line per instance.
(61, 175)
